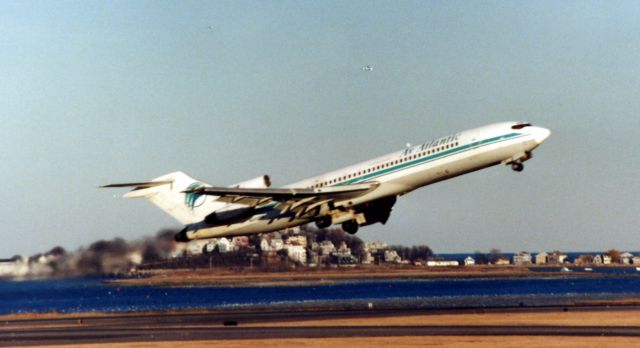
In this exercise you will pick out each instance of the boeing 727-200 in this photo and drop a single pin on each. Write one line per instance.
(358, 195)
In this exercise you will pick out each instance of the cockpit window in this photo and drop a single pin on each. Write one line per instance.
(520, 125)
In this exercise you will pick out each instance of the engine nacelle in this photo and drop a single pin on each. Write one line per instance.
(378, 211)
(229, 216)
(260, 182)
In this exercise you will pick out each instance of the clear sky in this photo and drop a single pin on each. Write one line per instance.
(94, 92)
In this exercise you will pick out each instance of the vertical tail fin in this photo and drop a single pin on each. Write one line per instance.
(166, 192)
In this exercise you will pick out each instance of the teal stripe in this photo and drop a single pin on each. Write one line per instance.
(429, 158)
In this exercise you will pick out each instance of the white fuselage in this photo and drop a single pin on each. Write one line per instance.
(401, 172)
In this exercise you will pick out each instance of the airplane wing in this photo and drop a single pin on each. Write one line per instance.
(296, 199)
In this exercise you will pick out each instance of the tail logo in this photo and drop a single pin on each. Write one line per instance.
(193, 199)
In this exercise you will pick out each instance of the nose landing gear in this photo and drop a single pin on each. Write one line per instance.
(517, 166)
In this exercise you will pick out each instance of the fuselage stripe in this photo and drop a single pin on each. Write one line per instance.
(436, 156)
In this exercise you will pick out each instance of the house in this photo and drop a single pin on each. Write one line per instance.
(375, 246)
(224, 245)
(326, 247)
(636, 260)
(597, 259)
(343, 249)
(264, 245)
(277, 244)
(297, 253)
(625, 258)
(541, 258)
(501, 261)
(585, 259)
(442, 263)
(606, 259)
(196, 247)
(367, 258)
(298, 240)
(556, 257)
(391, 256)
(240, 242)
(522, 258)
(469, 261)
(14, 267)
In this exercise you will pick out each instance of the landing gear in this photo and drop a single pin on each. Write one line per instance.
(517, 166)
(350, 226)
(323, 222)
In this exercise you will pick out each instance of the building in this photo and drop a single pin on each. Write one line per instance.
(211, 246)
(391, 256)
(297, 253)
(327, 248)
(606, 259)
(597, 260)
(625, 258)
(442, 263)
(522, 258)
(298, 240)
(224, 245)
(502, 261)
(556, 258)
(240, 242)
(636, 260)
(277, 244)
(14, 267)
(343, 249)
(376, 246)
(264, 245)
(367, 258)
(196, 247)
(541, 258)
(469, 261)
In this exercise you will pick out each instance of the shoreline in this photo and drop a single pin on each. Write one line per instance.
(224, 277)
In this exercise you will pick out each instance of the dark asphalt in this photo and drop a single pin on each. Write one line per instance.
(229, 326)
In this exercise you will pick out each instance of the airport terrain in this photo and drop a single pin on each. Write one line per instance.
(585, 326)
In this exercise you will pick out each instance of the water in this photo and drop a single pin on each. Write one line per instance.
(91, 294)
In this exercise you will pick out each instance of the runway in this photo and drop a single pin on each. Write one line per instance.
(266, 325)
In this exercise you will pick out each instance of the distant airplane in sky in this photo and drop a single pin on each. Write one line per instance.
(358, 195)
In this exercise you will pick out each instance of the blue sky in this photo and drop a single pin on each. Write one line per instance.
(96, 92)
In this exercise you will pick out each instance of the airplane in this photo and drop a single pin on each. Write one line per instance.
(354, 196)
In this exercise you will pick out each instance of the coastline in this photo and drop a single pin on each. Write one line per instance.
(319, 276)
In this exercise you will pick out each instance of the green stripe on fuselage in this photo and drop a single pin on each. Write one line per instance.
(429, 158)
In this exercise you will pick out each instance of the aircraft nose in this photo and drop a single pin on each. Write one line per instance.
(540, 134)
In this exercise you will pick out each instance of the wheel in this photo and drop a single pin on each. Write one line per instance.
(350, 226)
(323, 222)
(517, 166)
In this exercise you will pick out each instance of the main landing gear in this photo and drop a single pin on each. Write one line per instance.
(517, 166)
(324, 222)
(350, 226)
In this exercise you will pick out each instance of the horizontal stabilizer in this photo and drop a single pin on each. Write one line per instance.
(139, 185)
(166, 193)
